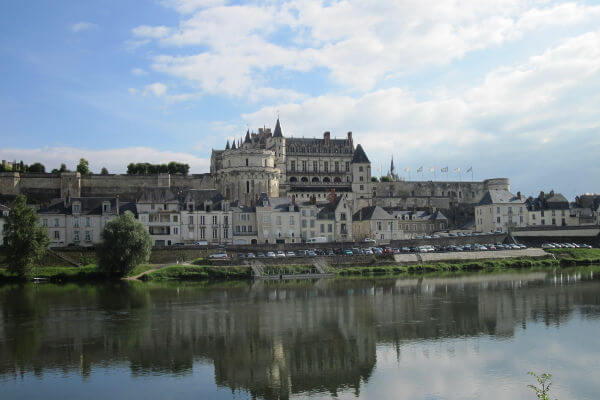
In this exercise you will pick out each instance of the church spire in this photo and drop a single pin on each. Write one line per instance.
(277, 132)
(227, 145)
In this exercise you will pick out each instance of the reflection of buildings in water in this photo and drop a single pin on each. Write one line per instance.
(271, 339)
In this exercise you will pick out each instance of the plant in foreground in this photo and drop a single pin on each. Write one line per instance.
(544, 381)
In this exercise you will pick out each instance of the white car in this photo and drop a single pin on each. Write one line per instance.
(369, 240)
(270, 254)
(218, 255)
(280, 254)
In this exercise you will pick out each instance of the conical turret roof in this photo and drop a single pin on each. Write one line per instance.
(247, 138)
(359, 156)
(227, 147)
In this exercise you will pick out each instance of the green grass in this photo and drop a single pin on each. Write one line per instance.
(569, 257)
(193, 272)
(141, 268)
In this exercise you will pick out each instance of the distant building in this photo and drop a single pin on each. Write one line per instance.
(4, 210)
(500, 210)
(418, 223)
(375, 223)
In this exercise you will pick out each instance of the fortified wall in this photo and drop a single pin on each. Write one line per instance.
(41, 188)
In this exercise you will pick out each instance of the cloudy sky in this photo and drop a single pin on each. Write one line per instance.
(509, 87)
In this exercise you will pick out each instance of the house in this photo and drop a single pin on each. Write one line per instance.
(206, 216)
(375, 223)
(416, 223)
(500, 210)
(80, 220)
(277, 219)
(159, 210)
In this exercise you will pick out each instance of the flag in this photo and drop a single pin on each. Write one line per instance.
(470, 169)
(420, 169)
(457, 169)
(432, 169)
(445, 169)
(407, 169)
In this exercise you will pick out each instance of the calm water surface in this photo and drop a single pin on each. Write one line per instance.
(464, 337)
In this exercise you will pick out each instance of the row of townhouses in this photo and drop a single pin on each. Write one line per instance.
(205, 216)
(500, 210)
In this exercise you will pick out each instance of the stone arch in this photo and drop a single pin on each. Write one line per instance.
(315, 179)
(293, 179)
(337, 179)
(304, 179)
(326, 180)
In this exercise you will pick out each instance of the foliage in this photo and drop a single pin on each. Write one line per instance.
(83, 167)
(104, 171)
(141, 268)
(374, 179)
(63, 168)
(193, 272)
(36, 167)
(386, 179)
(125, 244)
(544, 381)
(25, 240)
(58, 274)
(147, 168)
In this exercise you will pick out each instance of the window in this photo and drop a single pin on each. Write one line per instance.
(291, 220)
(250, 228)
(247, 162)
(343, 216)
(88, 236)
(293, 166)
(45, 222)
(304, 213)
(225, 233)
(76, 236)
(326, 166)
(175, 218)
(312, 223)
(226, 220)
(106, 207)
(237, 228)
(75, 222)
(361, 178)
(343, 229)
(329, 228)
(266, 219)
(378, 226)
(360, 169)
(362, 187)
(76, 208)
(202, 233)
(347, 166)
(322, 228)
(315, 166)
(312, 213)
(215, 220)
(152, 206)
(215, 233)
(521, 219)
(191, 220)
(498, 219)
(88, 221)
(202, 220)
(247, 186)
(304, 223)
(303, 166)
(497, 210)
(553, 221)
(278, 220)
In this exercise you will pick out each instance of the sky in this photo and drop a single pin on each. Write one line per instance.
(510, 88)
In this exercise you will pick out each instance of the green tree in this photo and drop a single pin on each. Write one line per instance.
(25, 240)
(386, 179)
(37, 167)
(104, 171)
(83, 167)
(125, 244)
(374, 179)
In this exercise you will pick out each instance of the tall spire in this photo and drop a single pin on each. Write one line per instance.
(227, 145)
(247, 138)
(233, 147)
(392, 169)
(277, 132)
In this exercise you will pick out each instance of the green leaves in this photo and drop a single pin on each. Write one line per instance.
(26, 241)
(125, 244)
(544, 381)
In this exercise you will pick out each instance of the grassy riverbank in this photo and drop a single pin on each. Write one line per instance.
(568, 257)
(88, 272)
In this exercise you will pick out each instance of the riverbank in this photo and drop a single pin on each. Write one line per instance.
(199, 271)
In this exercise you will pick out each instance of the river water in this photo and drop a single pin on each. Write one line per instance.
(456, 337)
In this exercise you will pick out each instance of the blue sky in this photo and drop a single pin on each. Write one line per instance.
(509, 88)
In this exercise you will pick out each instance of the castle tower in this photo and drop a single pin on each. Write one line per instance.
(361, 179)
(277, 144)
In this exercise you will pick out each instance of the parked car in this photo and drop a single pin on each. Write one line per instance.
(280, 254)
(290, 254)
(330, 252)
(202, 243)
(251, 255)
(270, 254)
(261, 255)
(368, 252)
(218, 255)
(348, 252)
(369, 240)
(311, 253)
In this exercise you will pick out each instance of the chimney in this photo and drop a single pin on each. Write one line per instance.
(519, 195)
(350, 136)
(293, 199)
(117, 211)
(327, 136)
(67, 198)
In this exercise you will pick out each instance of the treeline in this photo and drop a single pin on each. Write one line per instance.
(147, 168)
(22, 167)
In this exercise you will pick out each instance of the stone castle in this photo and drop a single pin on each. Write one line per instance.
(268, 162)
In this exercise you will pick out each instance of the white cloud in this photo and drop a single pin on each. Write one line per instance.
(139, 72)
(188, 6)
(82, 26)
(360, 43)
(157, 89)
(115, 160)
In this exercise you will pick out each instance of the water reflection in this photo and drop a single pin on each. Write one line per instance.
(272, 340)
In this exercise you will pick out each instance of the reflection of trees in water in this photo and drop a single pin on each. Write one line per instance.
(271, 339)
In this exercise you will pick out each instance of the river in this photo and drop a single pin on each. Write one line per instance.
(437, 337)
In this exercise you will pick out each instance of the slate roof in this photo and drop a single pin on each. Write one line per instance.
(247, 138)
(157, 195)
(372, 212)
(89, 206)
(310, 188)
(280, 204)
(359, 156)
(552, 201)
(500, 196)
(418, 215)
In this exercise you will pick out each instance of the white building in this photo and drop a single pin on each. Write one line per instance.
(500, 210)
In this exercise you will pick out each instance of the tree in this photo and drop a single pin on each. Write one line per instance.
(386, 179)
(374, 179)
(83, 167)
(25, 240)
(104, 171)
(37, 167)
(125, 244)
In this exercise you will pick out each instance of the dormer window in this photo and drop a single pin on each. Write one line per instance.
(106, 207)
(76, 208)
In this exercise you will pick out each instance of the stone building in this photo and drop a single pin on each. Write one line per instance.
(418, 223)
(4, 210)
(375, 223)
(499, 211)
